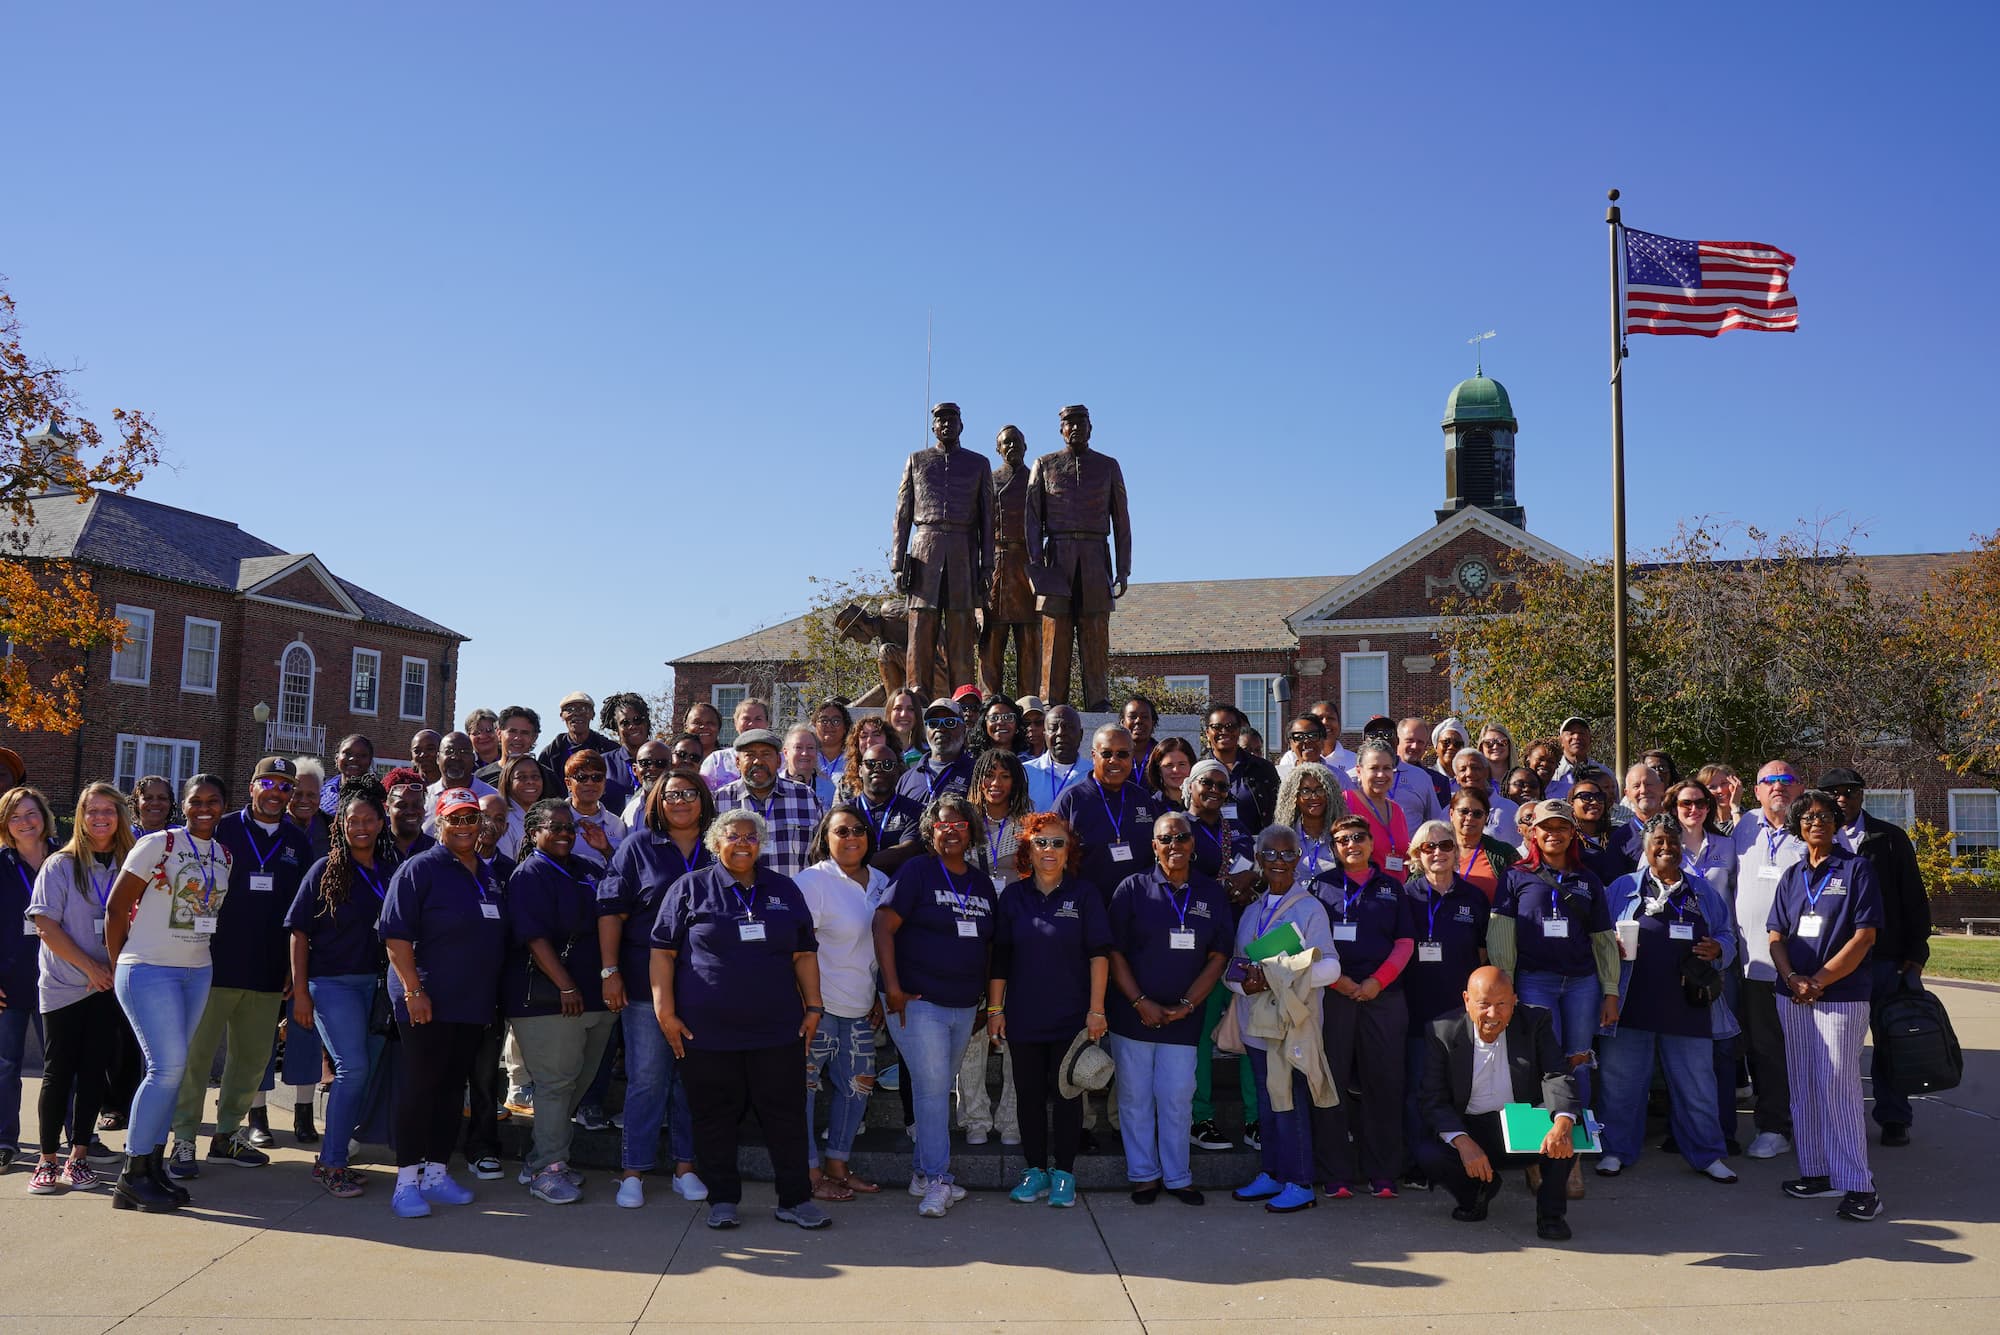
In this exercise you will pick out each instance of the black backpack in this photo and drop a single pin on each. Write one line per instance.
(1915, 1050)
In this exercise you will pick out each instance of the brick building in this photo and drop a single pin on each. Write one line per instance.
(222, 622)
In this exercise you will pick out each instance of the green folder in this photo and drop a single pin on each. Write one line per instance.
(1283, 939)
(1523, 1128)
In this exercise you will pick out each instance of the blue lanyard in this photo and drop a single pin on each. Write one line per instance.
(205, 868)
(1264, 919)
(1555, 898)
(1433, 901)
(250, 833)
(1814, 892)
(1213, 838)
(585, 880)
(1349, 893)
(1187, 898)
(881, 825)
(699, 854)
(1065, 780)
(1774, 835)
(103, 895)
(964, 905)
(1117, 821)
(1314, 849)
(746, 903)
(993, 847)
(369, 877)
(932, 778)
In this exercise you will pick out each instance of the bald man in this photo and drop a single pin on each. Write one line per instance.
(1495, 1053)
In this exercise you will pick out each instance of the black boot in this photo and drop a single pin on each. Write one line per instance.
(136, 1189)
(156, 1169)
(302, 1124)
(259, 1124)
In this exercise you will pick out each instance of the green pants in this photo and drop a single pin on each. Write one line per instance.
(1204, 1060)
(561, 1053)
(250, 1019)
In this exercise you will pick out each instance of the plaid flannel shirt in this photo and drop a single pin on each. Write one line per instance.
(792, 811)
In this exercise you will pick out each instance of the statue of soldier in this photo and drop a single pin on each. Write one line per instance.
(1076, 499)
(943, 551)
(1010, 603)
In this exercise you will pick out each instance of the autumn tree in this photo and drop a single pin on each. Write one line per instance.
(1955, 638)
(48, 614)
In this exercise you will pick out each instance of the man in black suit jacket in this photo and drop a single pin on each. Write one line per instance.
(1496, 1053)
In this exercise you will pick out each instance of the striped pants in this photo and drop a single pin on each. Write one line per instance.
(1823, 1067)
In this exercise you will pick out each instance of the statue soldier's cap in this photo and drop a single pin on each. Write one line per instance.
(1073, 410)
(940, 407)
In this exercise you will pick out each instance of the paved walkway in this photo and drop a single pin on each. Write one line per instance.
(1658, 1249)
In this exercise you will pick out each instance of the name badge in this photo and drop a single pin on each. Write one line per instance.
(99, 927)
(1768, 872)
(1346, 931)
(1180, 940)
(263, 882)
(1000, 881)
(1680, 931)
(204, 924)
(1121, 852)
(489, 910)
(749, 931)
(967, 927)
(1555, 928)
(28, 927)
(1394, 864)
(1229, 811)
(1430, 952)
(1809, 926)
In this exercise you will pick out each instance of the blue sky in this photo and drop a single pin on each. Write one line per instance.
(592, 331)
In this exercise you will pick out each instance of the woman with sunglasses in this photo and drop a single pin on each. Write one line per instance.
(842, 892)
(1285, 1177)
(599, 829)
(1598, 843)
(1449, 912)
(1497, 745)
(654, 857)
(1051, 941)
(1365, 1018)
(1706, 850)
(1000, 787)
(1482, 860)
(932, 937)
(1822, 930)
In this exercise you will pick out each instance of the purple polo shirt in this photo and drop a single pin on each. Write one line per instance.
(1376, 911)
(926, 781)
(1146, 912)
(1456, 921)
(736, 994)
(555, 902)
(643, 870)
(340, 942)
(1043, 946)
(442, 910)
(1532, 897)
(1101, 819)
(250, 948)
(1842, 892)
(935, 958)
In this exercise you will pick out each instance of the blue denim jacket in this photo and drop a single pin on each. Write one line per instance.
(1626, 903)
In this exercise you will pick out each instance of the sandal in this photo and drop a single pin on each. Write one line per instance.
(853, 1183)
(829, 1189)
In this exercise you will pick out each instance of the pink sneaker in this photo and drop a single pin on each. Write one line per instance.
(79, 1175)
(47, 1180)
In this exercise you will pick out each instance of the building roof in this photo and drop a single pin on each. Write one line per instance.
(124, 532)
(1895, 575)
(1233, 614)
(1479, 399)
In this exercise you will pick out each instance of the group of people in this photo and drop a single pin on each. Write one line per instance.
(1400, 942)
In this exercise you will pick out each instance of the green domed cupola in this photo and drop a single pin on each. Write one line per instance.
(1479, 427)
(1479, 400)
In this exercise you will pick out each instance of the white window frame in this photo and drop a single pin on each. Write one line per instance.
(1265, 718)
(186, 759)
(1951, 799)
(134, 617)
(1196, 682)
(781, 721)
(188, 625)
(403, 690)
(375, 679)
(726, 714)
(1352, 719)
(1907, 796)
(312, 683)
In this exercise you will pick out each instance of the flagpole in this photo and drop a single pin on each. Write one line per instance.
(1620, 686)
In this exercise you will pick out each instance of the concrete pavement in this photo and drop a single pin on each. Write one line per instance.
(1655, 1249)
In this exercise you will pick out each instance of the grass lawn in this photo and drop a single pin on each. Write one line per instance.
(1977, 958)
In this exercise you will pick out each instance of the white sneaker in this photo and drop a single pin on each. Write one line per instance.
(689, 1187)
(1768, 1145)
(919, 1184)
(632, 1193)
(1721, 1172)
(937, 1199)
(1610, 1165)
(1010, 1137)
(976, 1135)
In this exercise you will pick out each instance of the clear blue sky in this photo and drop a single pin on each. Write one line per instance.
(592, 331)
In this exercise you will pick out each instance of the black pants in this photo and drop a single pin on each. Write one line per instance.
(484, 1084)
(79, 1041)
(1441, 1164)
(1037, 1068)
(1364, 1051)
(721, 1087)
(1764, 1043)
(125, 1067)
(435, 1063)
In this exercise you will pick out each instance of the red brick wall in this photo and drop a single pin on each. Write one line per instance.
(1410, 592)
(303, 586)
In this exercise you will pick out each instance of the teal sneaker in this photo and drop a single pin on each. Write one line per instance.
(1034, 1185)
(1062, 1188)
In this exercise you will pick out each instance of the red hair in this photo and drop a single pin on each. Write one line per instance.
(1034, 825)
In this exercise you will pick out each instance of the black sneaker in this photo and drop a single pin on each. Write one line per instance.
(1809, 1188)
(1253, 1136)
(99, 1155)
(236, 1149)
(1895, 1135)
(1204, 1136)
(7, 1156)
(1860, 1206)
(1552, 1228)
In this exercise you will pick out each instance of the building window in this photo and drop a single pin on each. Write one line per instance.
(789, 700)
(170, 757)
(133, 665)
(367, 681)
(416, 688)
(1975, 820)
(725, 699)
(1364, 689)
(295, 686)
(201, 651)
(1189, 686)
(1898, 806)
(1257, 697)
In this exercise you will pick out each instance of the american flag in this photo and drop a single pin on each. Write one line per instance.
(1704, 287)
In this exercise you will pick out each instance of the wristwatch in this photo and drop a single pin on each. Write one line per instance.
(815, 1010)
(607, 971)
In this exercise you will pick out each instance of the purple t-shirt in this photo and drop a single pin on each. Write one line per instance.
(250, 949)
(947, 925)
(340, 941)
(1148, 919)
(643, 869)
(456, 924)
(1537, 897)
(1842, 893)
(734, 984)
(557, 903)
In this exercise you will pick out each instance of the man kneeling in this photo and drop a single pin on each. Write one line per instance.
(1496, 1053)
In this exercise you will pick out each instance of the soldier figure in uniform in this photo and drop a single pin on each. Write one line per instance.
(1076, 499)
(1010, 605)
(943, 550)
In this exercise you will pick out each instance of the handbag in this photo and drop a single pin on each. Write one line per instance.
(542, 989)
(1701, 981)
(382, 1012)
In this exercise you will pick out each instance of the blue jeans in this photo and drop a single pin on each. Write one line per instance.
(1288, 1150)
(932, 1039)
(1892, 1106)
(14, 1024)
(1575, 1005)
(341, 1004)
(841, 1056)
(164, 1003)
(1155, 1108)
(654, 1094)
(1625, 1078)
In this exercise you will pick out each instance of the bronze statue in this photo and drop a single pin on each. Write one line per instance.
(1076, 499)
(943, 551)
(887, 630)
(1010, 604)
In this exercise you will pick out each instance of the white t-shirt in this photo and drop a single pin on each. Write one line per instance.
(844, 920)
(186, 880)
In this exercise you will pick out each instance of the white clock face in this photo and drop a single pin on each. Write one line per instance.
(1473, 576)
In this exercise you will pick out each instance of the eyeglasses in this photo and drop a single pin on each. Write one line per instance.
(1172, 839)
(1306, 736)
(945, 722)
(849, 832)
(461, 819)
(277, 785)
(1818, 818)
(1435, 846)
(739, 836)
(678, 795)
(1350, 840)
(1784, 779)
(881, 766)
(951, 825)
(1219, 727)
(1579, 799)
(1279, 855)
(1047, 842)
(1114, 755)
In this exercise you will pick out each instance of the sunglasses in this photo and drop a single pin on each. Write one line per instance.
(943, 723)
(849, 832)
(1212, 785)
(881, 766)
(951, 825)
(1690, 804)
(588, 778)
(1050, 842)
(1350, 840)
(1579, 799)
(1779, 779)
(1279, 855)
(280, 785)
(1306, 736)
(559, 829)
(1435, 846)
(1114, 755)
(1172, 839)
(652, 764)
(459, 820)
